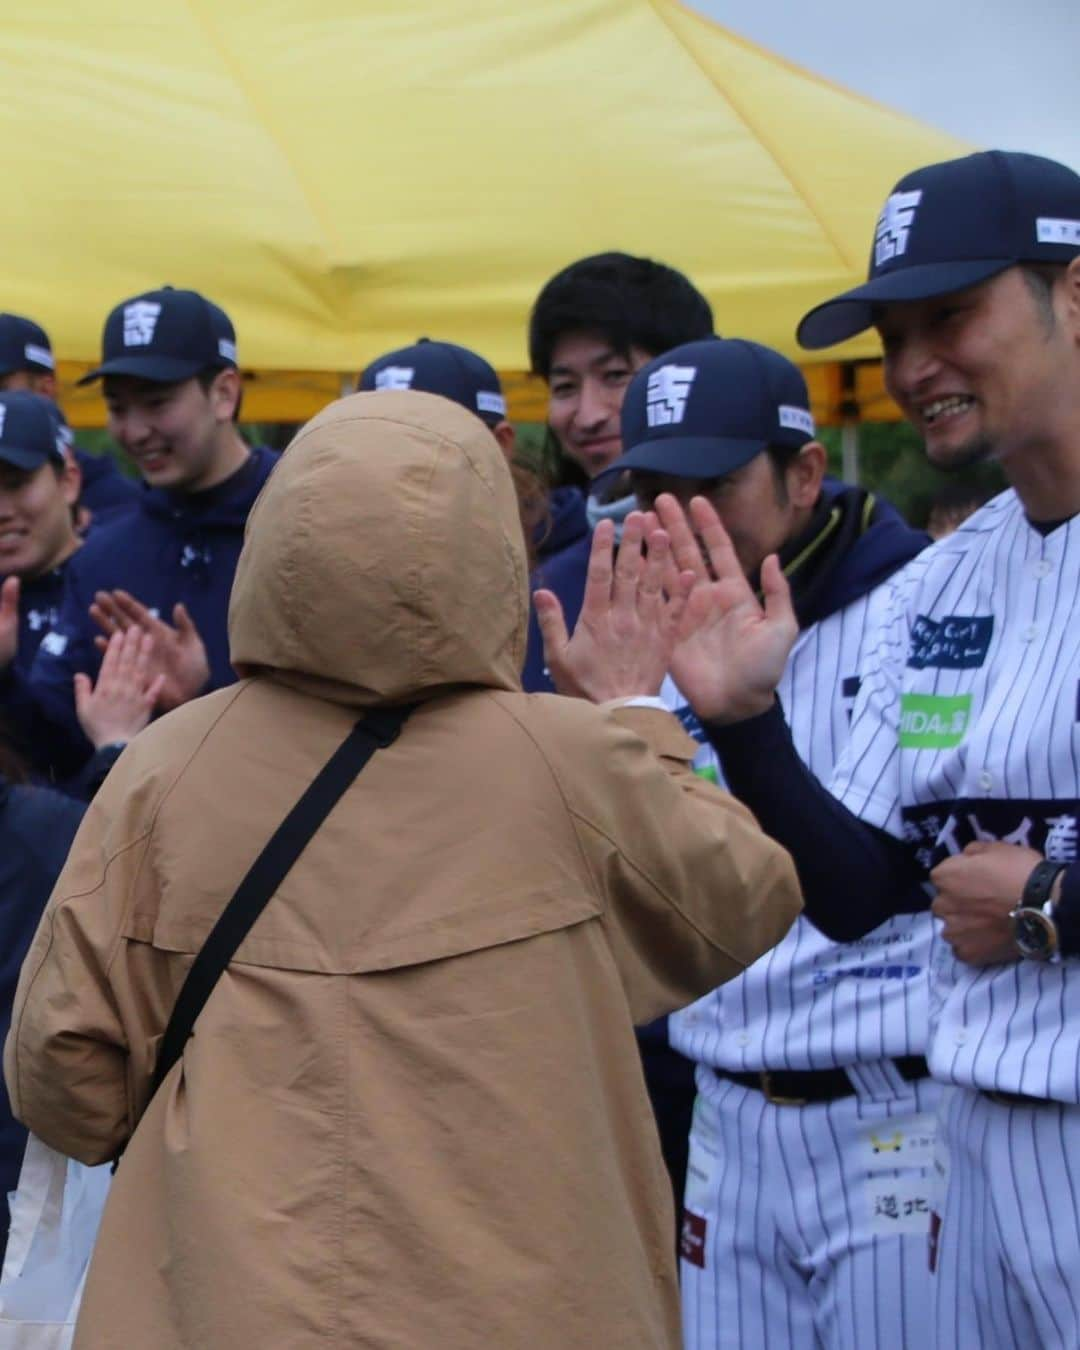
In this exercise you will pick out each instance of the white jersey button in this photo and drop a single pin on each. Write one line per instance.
(742, 1038)
(986, 781)
(961, 1036)
(1030, 633)
(1043, 568)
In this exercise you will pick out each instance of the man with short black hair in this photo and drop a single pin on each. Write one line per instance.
(172, 387)
(593, 324)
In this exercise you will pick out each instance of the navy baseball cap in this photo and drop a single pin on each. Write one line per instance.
(440, 368)
(165, 336)
(953, 225)
(29, 431)
(707, 408)
(24, 345)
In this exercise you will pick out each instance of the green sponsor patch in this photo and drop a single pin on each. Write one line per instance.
(933, 721)
(708, 771)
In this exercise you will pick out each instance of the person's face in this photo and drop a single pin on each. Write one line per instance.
(36, 530)
(980, 373)
(171, 431)
(586, 384)
(760, 506)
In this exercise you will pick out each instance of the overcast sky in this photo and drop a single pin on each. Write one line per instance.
(1000, 73)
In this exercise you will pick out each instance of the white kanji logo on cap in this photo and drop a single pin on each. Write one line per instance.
(394, 377)
(140, 320)
(894, 226)
(666, 394)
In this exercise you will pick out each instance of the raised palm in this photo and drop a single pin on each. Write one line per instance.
(732, 648)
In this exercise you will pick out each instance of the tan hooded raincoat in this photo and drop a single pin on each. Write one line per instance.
(412, 1114)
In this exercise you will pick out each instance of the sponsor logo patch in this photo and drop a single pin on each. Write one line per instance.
(1050, 230)
(957, 642)
(933, 721)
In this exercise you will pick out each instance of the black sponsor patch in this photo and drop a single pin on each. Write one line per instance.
(940, 829)
(957, 642)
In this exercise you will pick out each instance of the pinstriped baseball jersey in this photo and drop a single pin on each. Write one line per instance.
(968, 727)
(812, 1003)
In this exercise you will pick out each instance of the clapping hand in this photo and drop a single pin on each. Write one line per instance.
(9, 621)
(120, 704)
(178, 652)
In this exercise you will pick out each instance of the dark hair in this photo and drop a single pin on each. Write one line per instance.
(209, 374)
(632, 302)
(1041, 278)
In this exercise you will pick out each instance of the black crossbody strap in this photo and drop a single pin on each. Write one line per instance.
(374, 732)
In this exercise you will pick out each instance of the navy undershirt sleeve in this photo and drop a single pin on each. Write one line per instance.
(853, 875)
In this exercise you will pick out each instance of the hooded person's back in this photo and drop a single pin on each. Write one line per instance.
(412, 1111)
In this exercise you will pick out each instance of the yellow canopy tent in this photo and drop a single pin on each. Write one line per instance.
(344, 176)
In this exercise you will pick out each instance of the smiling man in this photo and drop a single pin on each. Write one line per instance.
(27, 362)
(39, 487)
(963, 765)
(173, 390)
(593, 325)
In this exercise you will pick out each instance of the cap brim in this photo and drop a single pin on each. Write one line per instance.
(686, 457)
(160, 369)
(853, 312)
(25, 460)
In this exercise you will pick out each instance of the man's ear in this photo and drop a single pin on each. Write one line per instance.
(1071, 295)
(71, 478)
(505, 434)
(805, 474)
(225, 393)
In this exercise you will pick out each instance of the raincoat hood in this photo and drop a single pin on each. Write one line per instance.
(384, 560)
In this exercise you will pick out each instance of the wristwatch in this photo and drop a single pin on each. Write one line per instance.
(1034, 929)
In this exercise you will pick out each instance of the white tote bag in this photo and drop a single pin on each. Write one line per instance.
(54, 1220)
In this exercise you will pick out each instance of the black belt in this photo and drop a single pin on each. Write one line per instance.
(1015, 1098)
(802, 1087)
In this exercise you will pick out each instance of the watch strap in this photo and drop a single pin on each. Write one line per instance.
(1040, 883)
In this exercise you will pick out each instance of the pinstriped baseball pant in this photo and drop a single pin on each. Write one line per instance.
(1008, 1274)
(804, 1226)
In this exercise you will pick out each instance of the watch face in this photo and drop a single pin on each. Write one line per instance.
(1035, 934)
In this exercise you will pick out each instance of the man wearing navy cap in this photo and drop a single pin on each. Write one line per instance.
(172, 386)
(39, 487)
(452, 371)
(26, 362)
(963, 763)
(817, 1045)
